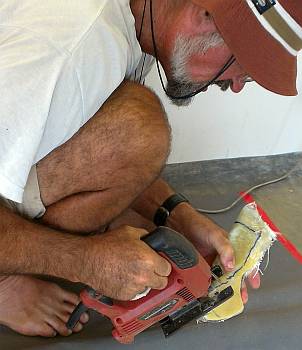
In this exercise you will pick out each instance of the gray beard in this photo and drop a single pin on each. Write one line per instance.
(181, 83)
(179, 88)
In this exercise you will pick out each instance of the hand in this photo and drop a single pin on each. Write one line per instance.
(120, 265)
(209, 239)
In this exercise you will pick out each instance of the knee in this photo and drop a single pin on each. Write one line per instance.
(148, 128)
(155, 131)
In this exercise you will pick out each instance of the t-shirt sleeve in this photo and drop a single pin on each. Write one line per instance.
(29, 70)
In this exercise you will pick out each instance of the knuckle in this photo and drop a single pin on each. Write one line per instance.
(127, 228)
(168, 268)
(163, 283)
(149, 263)
(220, 236)
(141, 281)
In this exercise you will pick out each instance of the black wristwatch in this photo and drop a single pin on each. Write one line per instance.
(164, 211)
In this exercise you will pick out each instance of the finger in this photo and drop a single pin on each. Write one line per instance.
(244, 293)
(162, 266)
(254, 280)
(224, 249)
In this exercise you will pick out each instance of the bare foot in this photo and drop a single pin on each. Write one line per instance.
(36, 308)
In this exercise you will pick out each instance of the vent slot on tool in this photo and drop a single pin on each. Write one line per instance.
(131, 327)
(186, 294)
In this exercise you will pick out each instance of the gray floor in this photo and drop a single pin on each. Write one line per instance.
(273, 316)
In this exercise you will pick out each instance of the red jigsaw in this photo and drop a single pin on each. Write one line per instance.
(184, 299)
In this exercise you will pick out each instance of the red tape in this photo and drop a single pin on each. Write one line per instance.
(288, 245)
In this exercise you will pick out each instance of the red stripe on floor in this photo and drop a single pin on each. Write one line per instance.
(283, 240)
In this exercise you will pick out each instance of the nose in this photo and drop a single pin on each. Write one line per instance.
(238, 84)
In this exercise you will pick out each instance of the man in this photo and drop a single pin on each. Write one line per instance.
(82, 147)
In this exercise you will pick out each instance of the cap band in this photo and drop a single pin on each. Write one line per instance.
(274, 18)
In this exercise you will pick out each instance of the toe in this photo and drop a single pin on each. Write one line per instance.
(63, 295)
(84, 318)
(47, 331)
(78, 328)
(71, 298)
(68, 310)
(59, 325)
(64, 317)
(35, 329)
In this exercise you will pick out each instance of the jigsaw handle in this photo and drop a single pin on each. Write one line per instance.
(174, 246)
(163, 240)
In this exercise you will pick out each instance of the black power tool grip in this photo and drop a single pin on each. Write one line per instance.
(174, 245)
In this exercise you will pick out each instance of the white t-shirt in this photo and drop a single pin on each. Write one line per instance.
(59, 62)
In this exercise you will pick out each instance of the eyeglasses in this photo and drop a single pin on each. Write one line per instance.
(247, 79)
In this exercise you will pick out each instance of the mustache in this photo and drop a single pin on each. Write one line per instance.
(177, 88)
(223, 84)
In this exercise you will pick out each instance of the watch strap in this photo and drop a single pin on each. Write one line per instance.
(164, 211)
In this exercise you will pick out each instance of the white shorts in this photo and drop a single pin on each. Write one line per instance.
(32, 206)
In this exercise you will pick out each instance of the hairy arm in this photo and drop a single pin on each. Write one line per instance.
(118, 264)
(207, 237)
(30, 248)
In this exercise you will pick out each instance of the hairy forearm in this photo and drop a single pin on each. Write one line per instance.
(29, 248)
(149, 201)
(180, 218)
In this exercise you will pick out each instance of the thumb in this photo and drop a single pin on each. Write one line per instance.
(137, 233)
(162, 267)
(224, 250)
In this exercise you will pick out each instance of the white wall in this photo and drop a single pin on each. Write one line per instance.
(227, 125)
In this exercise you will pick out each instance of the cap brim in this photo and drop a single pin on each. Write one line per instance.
(259, 54)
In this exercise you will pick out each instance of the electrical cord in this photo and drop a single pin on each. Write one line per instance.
(218, 211)
(139, 38)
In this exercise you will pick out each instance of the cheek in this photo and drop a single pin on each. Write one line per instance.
(206, 66)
